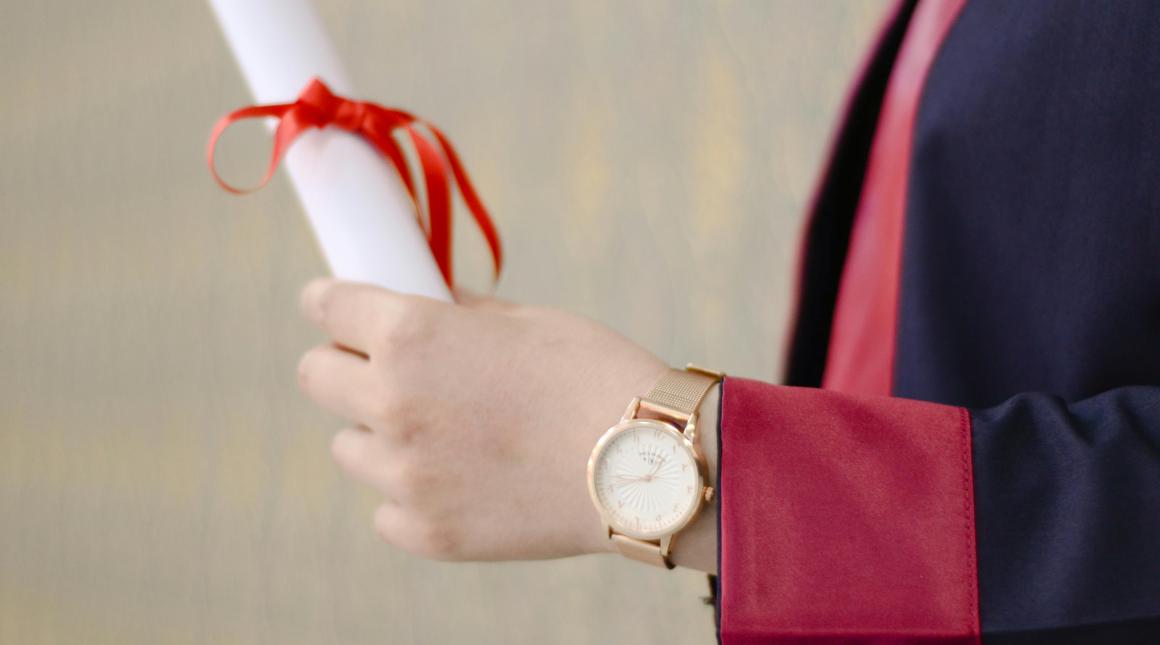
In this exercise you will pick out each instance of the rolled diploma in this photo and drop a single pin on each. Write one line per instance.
(360, 212)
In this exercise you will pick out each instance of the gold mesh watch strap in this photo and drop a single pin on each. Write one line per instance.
(677, 394)
(648, 552)
(683, 390)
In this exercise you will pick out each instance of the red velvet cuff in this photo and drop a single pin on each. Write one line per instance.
(844, 519)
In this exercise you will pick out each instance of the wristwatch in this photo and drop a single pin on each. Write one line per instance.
(647, 474)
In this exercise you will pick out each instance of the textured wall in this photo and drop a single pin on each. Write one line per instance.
(161, 481)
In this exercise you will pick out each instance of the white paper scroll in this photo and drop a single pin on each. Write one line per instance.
(359, 210)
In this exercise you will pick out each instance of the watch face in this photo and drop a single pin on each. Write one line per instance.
(645, 479)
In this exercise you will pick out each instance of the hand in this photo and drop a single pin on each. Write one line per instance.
(474, 421)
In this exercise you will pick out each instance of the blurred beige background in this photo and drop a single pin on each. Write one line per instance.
(161, 480)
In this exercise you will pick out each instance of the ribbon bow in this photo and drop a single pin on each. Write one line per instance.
(318, 107)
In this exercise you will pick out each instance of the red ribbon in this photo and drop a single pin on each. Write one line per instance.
(318, 107)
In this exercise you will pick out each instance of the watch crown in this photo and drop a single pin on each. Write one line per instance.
(708, 494)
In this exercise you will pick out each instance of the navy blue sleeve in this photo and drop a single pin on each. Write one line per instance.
(1068, 518)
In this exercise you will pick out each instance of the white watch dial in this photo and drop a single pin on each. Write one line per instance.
(646, 479)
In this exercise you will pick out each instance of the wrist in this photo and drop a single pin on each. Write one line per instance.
(696, 546)
(626, 382)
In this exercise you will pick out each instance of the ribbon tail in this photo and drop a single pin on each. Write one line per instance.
(384, 142)
(474, 203)
(438, 203)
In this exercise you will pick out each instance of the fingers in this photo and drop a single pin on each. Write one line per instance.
(363, 456)
(416, 535)
(338, 381)
(361, 316)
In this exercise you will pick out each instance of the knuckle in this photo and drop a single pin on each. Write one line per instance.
(394, 406)
(407, 433)
(386, 406)
(404, 325)
(434, 539)
(412, 482)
